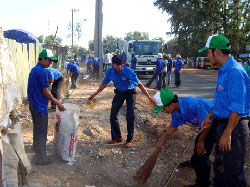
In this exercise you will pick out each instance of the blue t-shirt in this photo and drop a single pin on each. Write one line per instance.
(169, 65)
(192, 110)
(90, 61)
(178, 66)
(160, 64)
(133, 62)
(38, 79)
(124, 81)
(232, 90)
(95, 62)
(73, 68)
(53, 74)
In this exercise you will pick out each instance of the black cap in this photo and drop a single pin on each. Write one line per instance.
(117, 59)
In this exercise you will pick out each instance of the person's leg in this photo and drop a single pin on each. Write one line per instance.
(201, 163)
(228, 166)
(130, 116)
(75, 76)
(164, 80)
(176, 78)
(116, 106)
(73, 80)
(56, 89)
(151, 80)
(169, 78)
(59, 88)
(40, 130)
(159, 86)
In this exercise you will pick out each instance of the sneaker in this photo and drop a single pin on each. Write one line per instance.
(115, 141)
(128, 144)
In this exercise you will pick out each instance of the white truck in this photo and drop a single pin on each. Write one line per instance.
(146, 53)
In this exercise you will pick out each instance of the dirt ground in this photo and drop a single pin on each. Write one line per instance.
(118, 165)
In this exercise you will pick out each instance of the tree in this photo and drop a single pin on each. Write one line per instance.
(47, 40)
(91, 45)
(110, 43)
(193, 21)
(77, 30)
(159, 38)
(136, 35)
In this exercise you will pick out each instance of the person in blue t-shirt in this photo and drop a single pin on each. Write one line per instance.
(191, 110)
(164, 70)
(74, 71)
(177, 71)
(231, 110)
(125, 81)
(169, 68)
(133, 61)
(89, 64)
(95, 67)
(38, 96)
(160, 65)
(56, 78)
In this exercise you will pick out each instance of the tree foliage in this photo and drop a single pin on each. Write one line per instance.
(136, 35)
(193, 21)
(109, 43)
(48, 40)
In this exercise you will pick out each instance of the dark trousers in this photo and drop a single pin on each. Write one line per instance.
(228, 167)
(202, 164)
(74, 76)
(117, 103)
(95, 73)
(164, 79)
(40, 129)
(177, 76)
(89, 68)
(56, 89)
(159, 84)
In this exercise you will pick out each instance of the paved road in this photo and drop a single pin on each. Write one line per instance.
(195, 82)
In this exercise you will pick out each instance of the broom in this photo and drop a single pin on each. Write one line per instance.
(142, 175)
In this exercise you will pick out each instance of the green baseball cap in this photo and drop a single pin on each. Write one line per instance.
(162, 98)
(47, 53)
(132, 53)
(216, 41)
(164, 55)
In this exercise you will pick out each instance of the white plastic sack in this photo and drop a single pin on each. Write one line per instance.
(66, 131)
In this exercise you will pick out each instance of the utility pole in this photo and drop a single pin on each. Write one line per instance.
(72, 31)
(98, 34)
(73, 10)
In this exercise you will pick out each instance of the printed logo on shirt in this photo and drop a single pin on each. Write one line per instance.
(194, 121)
(220, 88)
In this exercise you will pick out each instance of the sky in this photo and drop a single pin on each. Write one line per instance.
(119, 17)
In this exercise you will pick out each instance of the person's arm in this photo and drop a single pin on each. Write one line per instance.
(50, 97)
(200, 144)
(50, 81)
(101, 87)
(206, 123)
(225, 140)
(170, 130)
(145, 92)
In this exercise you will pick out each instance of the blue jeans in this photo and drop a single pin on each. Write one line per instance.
(169, 77)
